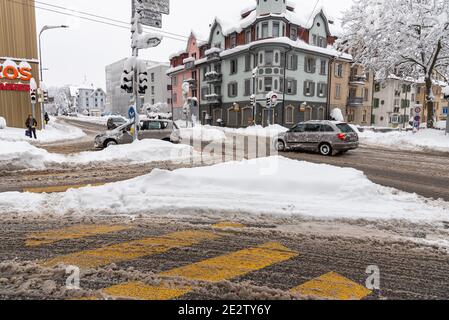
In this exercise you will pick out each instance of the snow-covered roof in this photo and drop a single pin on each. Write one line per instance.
(298, 44)
(175, 69)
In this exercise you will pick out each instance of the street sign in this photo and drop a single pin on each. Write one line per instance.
(146, 41)
(150, 18)
(161, 6)
(418, 110)
(131, 112)
(274, 99)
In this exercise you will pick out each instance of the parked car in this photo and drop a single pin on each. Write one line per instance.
(326, 137)
(148, 129)
(115, 122)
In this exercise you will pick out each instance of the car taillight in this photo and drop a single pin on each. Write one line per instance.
(341, 136)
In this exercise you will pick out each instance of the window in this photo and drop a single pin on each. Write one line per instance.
(261, 58)
(322, 42)
(233, 41)
(153, 101)
(293, 33)
(366, 95)
(175, 97)
(268, 84)
(204, 92)
(314, 39)
(299, 128)
(276, 58)
(310, 65)
(291, 86)
(292, 62)
(233, 66)
(264, 30)
(276, 29)
(152, 89)
(247, 87)
(232, 89)
(175, 80)
(321, 113)
(326, 128)
(377, 87)
(376, 103)
(248, 62)
(312, 127)
(269, 58)
(322, 90)
(248, 36)
(338, 91)
(152, 77)
(323, 67)
(289, 115)
(309, 88)
(339, 71)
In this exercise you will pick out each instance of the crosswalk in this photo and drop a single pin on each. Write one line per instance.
(226, 267)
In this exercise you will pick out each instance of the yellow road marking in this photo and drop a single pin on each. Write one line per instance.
(217, 269)
(59, 189)
(141, 291)
(75, 232)
(132, 250)
(228, 224)
(332, 286)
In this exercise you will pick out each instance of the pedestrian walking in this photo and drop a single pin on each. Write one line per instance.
(46, 118)
(31, 125)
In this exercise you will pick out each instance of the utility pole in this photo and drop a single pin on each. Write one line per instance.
(405, 104)
(135, 53)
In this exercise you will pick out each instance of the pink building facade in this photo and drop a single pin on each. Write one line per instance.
(183, 69)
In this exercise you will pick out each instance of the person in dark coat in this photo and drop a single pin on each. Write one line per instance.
(46, 118)
(31, 124)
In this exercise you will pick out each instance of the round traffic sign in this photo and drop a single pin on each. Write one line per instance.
(417, 118)
(131, 112)
(418, 109)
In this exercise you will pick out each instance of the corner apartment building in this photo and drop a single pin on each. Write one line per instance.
(18, 61)
(292, 58)
(352, 91)
(394, 102)
(118, 101)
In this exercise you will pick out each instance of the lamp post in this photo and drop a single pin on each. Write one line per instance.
(41, 76)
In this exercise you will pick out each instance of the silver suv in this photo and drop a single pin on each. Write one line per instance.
(326, 137)
(148, 129)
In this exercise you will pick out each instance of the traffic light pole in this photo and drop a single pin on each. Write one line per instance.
(135, 77)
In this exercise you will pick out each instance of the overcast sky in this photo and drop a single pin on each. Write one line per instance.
(82, 52)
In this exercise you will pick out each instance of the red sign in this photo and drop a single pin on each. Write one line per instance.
(15, 73)
(14, 87)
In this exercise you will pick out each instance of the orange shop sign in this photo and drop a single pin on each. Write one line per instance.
(9, 70)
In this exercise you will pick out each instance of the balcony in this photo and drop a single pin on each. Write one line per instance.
(355, 102)
(213, 98)
(213, 54)
(357, 80)
(213, 76)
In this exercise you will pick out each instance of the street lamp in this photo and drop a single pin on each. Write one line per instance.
(45, 28)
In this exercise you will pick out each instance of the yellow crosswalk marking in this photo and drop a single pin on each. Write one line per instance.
(74, 232)
(59, 189)
(228, 224)
(217, 269)
(132, 250)
(141, 291)
(332, 286)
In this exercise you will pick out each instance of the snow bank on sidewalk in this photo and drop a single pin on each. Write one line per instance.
(270, 131)
(22, 155)
(426, 139)
(273, 186)
(202, 133)
(54, 132)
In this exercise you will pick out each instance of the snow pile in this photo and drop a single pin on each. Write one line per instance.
(440, 125)
(202, 133)
(54, 132)
(2, 123)
(337, 115)
(272, 186)
(426, 139)
(22, 155)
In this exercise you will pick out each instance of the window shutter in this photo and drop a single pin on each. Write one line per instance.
(305, 88)
(312, 84)
(229, 90)
(295, 87)
(295, 62)
(313, 65)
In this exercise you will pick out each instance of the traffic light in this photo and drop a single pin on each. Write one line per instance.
(252, 99)
(33, 95)
(45, 96)
(268, 102)
(143, 82)
(127, 78)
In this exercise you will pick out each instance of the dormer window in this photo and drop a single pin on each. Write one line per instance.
(233, 41)
(264, 30)
(293, 33)
(248, 36)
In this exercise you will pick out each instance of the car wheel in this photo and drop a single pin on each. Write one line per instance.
(110, 143)
(325, 149)
(280, 146)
